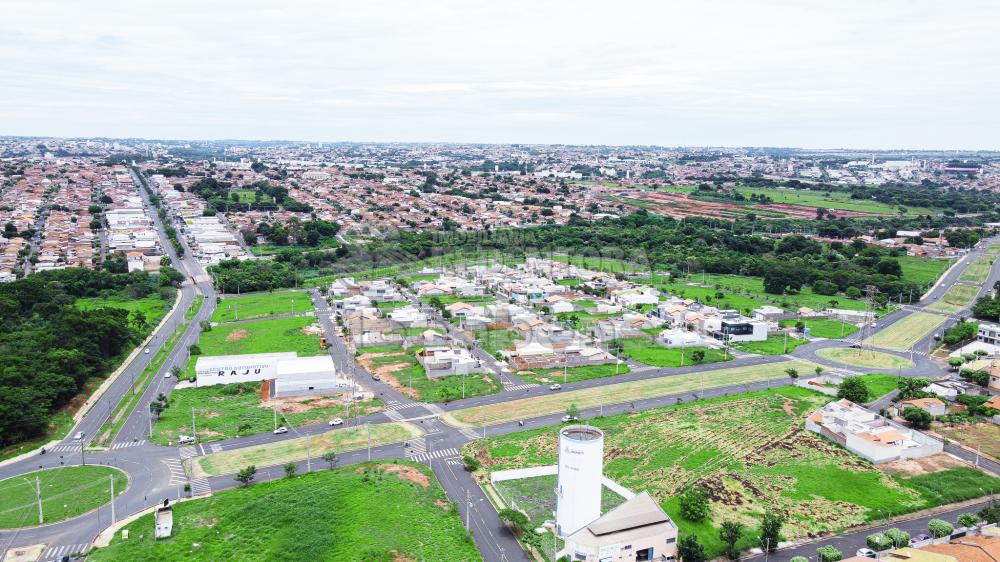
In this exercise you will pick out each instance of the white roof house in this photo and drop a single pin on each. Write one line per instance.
(870, 435)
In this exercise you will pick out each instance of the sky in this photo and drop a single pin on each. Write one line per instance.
(881, 74)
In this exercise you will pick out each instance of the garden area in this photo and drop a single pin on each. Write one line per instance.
(751, 455)
(66, 492)
(375, 511)
(261, 305)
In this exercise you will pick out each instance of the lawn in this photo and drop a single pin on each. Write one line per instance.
(574, 374)
(401, 371)
(823, 328)
(838, 200)
(879, 385)
(979, 270)
(262, 305)
(376, 511)
(751, 453)
(985, 436)
(754, 287)
(152, 307)
(569, 282)
(298, 449)
(956, 298)
(651, 353)
(66, 492)
(262, 336)
(775, 344)
(864, 358)
(248, 196)
(230, 410)
(923, 271)
(902, 334)
(621, 393)
(496, 340)
(993, 249)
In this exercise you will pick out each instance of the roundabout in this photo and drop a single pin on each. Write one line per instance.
(65, 493)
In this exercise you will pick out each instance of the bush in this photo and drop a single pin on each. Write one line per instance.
(939, 528)
(899, 538)
(878, 541)
(517, 521)
(918, 417)
(799, 559)
(694, 504)
(853, 389)
(828, 554)
(471, 463)
(968, 520)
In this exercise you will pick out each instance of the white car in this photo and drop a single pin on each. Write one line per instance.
(185, 439)
(866, 553)
(166, 375)
(568, 418)
(281, 430)
(146, 350)
(556, 386)
(336, 421)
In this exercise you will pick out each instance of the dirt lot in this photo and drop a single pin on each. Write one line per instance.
(924, 465)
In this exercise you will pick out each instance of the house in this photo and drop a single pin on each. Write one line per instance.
(408, 317)
(736, 328)
(969, 548)
(561, 306)
(636, 296)
(768, 313)
(463, 309)
(382, 291)
(345, 287)
(951, 389)
(678, 337)
(354, 303)
(933, 406)
(870, 435)
(439, 361)
(636, 530)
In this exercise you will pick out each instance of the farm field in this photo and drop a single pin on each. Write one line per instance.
(774, 345)
(956, 298)
(374, 511)
(985, 436)
(262, 336)
(903, 333)
(230, 410)
(152, 307)
(574, 374)
(979, 270)
(823, 328)
(261, 305)
(864, 358)
(754, 287)
(400, 370)
(66, 492)
(924, 271)
(621, 392)
(752, 453)
(298, 449)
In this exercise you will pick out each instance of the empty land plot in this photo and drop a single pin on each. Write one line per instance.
(152, 307)
(753, 455)
(66, 492)
(754, 287)
(879, 385)
(403, 372)
(262, 336)
(711, 295)
(984, 436)
(294, 450)
(923, 271)
(979, 270)
(823, 328)
(903, 333)
(864, 358)
(649, 352)
(574, 374)
(262, 305)
(774, 345)
(956, 298)
(387, 511)
(621, 392)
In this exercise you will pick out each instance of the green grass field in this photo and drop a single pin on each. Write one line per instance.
(754, 287)
(828, 200)
(66, 492)
(247, 196)
(373, 512)
(262, 305)
(956, 298)
(924, 271)
(495, 340)
(903, 333)
(751, 453)
(262, 336)
(865, 358)
(574, 374)
(594, 263)
(446, 299)
(401, 370)
(710, 295)
(823, 328)
(651, 353)
(152, 307)
(979, 270)
(879, 385)
(775, 344)
(229, 410)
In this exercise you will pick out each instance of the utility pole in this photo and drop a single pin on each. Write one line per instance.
(468, 509)
(194, 430)
(111, 478)
(38, 496)
(368, 430)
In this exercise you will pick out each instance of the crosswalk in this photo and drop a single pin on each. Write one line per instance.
(116, 446)
(516, 387)
(439, 454)
(187, 452)
(177, 475)
(393, 409)
(469, 432)
(454, 462)
(66, 448)
(200, 486)
(56, 553)
(215, 448)
(415, 448)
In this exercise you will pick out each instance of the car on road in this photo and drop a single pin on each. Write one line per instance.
(336, 421)
(376, 378)
(920, 538)
(568, 418)
(281, 430)
(556, 386)
(166, 375)
(185, 439)
(146, 350)
(79, 435)
(866, 553)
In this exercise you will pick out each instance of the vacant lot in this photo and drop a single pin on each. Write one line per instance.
(956, 298)
(924, 271)
(574, 374)
(621, 392)
(375, 511)
(152, 307)
(903, 333)
(879, 385)
(262, 336)
(978, 270)
(298, 449)
(262, 305)
(229, 410)
(401, 371)
(711, 295)
(66, 492)
(985, 436)
(754, 287)
(496, 340)
(775, 344)
(823, 328)
(753, 455)
(864, 358)
(649, 352)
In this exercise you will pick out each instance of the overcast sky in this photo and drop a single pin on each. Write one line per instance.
(862, 74)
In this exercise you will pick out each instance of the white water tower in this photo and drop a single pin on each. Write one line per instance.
(581, 468)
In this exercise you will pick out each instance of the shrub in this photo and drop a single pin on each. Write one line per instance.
(899, 538)
(799, 559)
(939, 528)
(471, 463)
(694, 504)
(828, 554)
(918, 417)
(878, 541)
(968, 520)
(853, 389)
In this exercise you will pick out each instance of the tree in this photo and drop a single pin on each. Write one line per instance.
(828, 554)
(516, 521)
(878, 541)
(912, 387)
(471, 463)
(990, 513)
(698, 356)
(968, 520)
(246, 475)
(898, 537)
(331, 458)
(290, 469)
(694, 504)
(690, 550)
(819, 370)
(853, 389)
(730, 533)
(939, 528)
(918, 417)
(770, 531)
(793, 373)
(573, 411)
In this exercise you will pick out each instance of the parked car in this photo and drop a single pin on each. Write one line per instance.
(166, 375)
(920, 538)
(281, 430)
(376, 378)
(556, 386)
(866, 553)
(146, 350)
(568, 418)
(79, 435)
(336, 421)
(185, 439)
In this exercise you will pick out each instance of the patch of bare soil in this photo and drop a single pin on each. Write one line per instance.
(397, 557)
(302, 403)
(237, 335)
(313, 330)
(923, 465)
(406, 472)
(787, 407)
(212, 414)
(442, 504)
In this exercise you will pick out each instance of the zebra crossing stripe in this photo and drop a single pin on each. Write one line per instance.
(187, 452)
(469, 433)
(440, 454)
(416, 447)
(177, 474)
(127, 444)
(200, 486)
(394, 415)
(215, 448)
(65, 448)
(57, 552)
(524, 386)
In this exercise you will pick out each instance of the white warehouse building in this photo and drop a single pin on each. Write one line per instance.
(290, 374)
